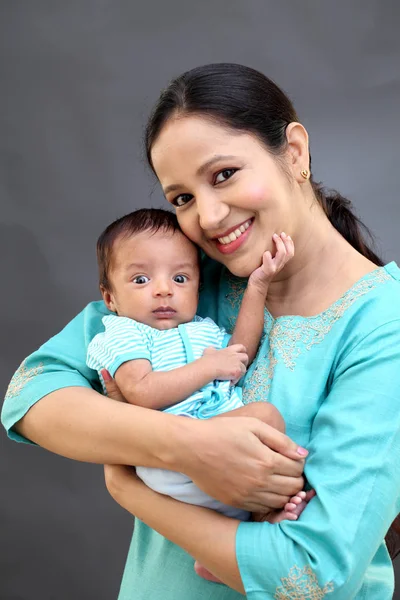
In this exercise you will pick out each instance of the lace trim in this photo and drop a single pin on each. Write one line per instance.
(21, 377)
(290, 336)
(302, 584)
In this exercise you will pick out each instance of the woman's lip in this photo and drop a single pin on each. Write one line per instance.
(233, 246)
(228, 231)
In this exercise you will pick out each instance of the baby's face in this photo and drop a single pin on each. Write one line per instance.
(155, 279)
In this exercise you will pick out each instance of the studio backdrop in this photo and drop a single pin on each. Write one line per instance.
(77, 82)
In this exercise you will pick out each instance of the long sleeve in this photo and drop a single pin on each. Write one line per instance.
(354, 466)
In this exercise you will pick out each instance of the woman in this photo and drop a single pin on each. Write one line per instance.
(227, 148)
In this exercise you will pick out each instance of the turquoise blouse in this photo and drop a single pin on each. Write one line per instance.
(335, 377)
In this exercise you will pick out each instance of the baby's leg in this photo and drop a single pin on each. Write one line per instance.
(264, 411)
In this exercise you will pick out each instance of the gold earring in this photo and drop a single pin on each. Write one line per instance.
(305, 173)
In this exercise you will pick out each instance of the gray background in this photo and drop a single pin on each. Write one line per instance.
(77, 80)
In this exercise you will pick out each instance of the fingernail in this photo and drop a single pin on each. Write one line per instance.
(288, 237)
(302, 451)
(275, 235)
(106, 375)
(283, 233)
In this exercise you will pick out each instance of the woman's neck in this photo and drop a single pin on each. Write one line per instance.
(324, 267)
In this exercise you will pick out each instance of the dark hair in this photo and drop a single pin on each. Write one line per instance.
(145, 219)
(244, 99)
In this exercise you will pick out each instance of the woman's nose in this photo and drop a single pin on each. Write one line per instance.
(211, 212)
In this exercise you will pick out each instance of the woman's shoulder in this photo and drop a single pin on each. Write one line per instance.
(379, 292)
(368, 311)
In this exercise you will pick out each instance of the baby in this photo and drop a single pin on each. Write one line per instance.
(161, 354)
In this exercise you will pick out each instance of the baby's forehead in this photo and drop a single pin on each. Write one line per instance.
(156, 246)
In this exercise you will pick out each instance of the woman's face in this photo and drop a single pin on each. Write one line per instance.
(230, 194)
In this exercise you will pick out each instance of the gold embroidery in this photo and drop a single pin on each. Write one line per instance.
(260, 381)
(21, 378)
(289, 336)
(302, 584)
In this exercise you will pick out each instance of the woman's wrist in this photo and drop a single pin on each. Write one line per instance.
(176, 449)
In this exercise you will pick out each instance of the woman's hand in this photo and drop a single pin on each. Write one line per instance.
(112, 388)
(120, 480)
(243, 462)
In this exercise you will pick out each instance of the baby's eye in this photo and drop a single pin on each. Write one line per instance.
(180, 278)
(141, 279)
(224, 175)
(182, 199)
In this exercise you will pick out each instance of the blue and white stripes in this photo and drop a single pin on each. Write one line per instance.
(125, 339)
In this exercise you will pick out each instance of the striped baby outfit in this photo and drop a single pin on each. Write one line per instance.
(125, 339)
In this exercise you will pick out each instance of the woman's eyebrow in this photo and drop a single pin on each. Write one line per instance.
(209, 163)
(201, 170)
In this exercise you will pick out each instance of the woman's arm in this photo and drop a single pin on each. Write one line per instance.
(240, 461)
(206, 535)
(84, 425)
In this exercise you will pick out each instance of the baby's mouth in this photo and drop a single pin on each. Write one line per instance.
(164, 312)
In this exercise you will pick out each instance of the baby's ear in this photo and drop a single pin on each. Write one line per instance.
(108, 298)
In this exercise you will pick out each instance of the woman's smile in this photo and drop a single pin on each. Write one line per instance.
(234, 238)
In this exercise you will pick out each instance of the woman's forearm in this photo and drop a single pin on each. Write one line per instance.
(206, 535)
(83, 425)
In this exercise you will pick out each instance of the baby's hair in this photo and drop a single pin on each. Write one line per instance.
(144, 219)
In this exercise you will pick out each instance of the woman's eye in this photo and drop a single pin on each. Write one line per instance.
(140, 279)
(180, 278)
(224, 175)
(182, 199)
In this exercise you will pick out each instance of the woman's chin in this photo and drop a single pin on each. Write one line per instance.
(239, 269)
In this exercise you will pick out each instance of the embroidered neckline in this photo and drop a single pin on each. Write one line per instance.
(288, 337)
(378, 275)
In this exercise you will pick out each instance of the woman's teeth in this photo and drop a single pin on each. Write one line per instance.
(227, 239)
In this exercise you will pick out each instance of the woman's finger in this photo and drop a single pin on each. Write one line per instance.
(283, 485)
(281, 443)
(112, 389)
(264, 502)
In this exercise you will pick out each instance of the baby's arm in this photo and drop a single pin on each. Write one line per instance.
(158, 389)
(250, 321)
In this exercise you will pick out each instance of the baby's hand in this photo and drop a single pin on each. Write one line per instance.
(263, 276)
(228, 364)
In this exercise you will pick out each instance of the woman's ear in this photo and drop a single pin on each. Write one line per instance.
(108, 299)
(298, 154)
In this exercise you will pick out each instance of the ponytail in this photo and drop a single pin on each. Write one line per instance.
(340, 213)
